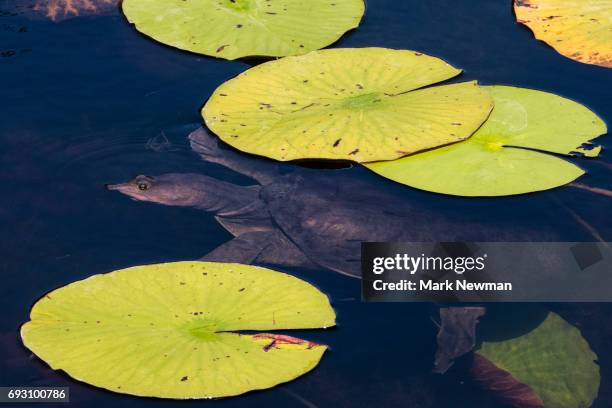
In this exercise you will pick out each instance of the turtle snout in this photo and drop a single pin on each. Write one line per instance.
(124, 188)
(112, 187)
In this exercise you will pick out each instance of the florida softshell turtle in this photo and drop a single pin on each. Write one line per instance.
(318, 218)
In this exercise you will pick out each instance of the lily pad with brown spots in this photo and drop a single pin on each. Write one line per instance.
(176, 330)
(358, 104)
(578, 29)
(234, 29)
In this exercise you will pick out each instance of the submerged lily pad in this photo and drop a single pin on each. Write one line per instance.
(171, 330)
(456, 335)
(507, 155)
(233, 29)
(552, 367)
(349, 104)
(580, 30)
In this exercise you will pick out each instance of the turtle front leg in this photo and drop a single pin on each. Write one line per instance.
(242, 249)
(264, 247)
(207, 146)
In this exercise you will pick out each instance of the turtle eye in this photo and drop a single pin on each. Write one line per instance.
(143, 186)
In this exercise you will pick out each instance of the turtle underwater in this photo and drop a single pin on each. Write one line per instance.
(317, 219)
(294, 216)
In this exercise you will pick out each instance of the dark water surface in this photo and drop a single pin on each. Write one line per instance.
(88, 101)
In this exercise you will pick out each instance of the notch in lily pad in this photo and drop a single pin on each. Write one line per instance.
(234, 29)
(361, 104)
(176, 330)
(551, 366)
(512, 153)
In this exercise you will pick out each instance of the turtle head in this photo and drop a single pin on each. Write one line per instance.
(183, 190)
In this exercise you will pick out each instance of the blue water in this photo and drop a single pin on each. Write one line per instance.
(82, 98)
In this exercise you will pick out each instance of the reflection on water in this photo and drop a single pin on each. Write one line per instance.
(57, 10)
(87, 104)
(61, 9)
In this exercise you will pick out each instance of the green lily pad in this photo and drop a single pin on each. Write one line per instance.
(172, 330)
(552, 366)
(508, 155)
(359, 104)
(233, 29)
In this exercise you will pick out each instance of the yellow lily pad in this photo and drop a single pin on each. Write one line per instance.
(233, 29)
(580, 30)
(347, 104)
(173, 330)
(508, 154)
